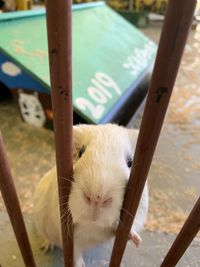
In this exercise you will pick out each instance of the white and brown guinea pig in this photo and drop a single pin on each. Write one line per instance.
(102, 158)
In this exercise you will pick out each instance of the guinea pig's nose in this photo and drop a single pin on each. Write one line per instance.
(87, 198)
(97, 201)
(91, 200)
(107, 202)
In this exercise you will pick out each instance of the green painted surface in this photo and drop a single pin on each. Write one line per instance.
(109, 54)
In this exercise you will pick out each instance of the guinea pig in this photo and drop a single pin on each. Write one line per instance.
(102, 158)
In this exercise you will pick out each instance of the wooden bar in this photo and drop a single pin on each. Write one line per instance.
(188, 232)
(60, 61)
(173, 38)
(10, 198)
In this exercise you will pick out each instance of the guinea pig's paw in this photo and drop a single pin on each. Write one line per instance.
(46, 246)
(79, 262)
(136, 239)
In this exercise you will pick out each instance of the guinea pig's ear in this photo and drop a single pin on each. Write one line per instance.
(77, 133)
(133, 136)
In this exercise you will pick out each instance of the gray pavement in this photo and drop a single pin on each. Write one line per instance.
(149, 254)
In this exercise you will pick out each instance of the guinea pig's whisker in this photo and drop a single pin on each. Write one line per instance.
(64, 220)
(127, 212)
(125, 187)
(66, 179)
(63, 197)
(65, 223)
(66, 209)
(68, 224)
(65, 213)
(64, 203)
(73, 182)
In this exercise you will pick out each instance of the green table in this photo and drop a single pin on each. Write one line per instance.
(111, 58)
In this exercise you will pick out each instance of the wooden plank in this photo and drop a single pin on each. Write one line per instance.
(173, 38)
(10, 198)
(188, 232)
(60, 62)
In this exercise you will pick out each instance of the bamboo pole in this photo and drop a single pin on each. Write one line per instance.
(188, 232)
(173, 38)
(60, 61)
(10, 198)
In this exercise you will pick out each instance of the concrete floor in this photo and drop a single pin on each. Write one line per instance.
(150, 254)
(174, 178)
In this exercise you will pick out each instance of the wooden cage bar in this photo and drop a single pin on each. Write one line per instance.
(60, 61)
(188, 232)
(10, 198)
(173, 38)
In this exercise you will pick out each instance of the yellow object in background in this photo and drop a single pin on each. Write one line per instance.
(24, 4)
(157, 6)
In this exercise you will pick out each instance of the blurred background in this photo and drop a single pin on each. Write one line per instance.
(120, 32)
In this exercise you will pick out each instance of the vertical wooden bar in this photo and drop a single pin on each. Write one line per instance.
(188, 232)
(10, 198)
(173, 38)
(60, 61)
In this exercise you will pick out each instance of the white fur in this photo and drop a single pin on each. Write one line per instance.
(102, 170)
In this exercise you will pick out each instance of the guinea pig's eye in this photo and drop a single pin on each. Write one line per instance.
(129, 162)
(81, 151)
